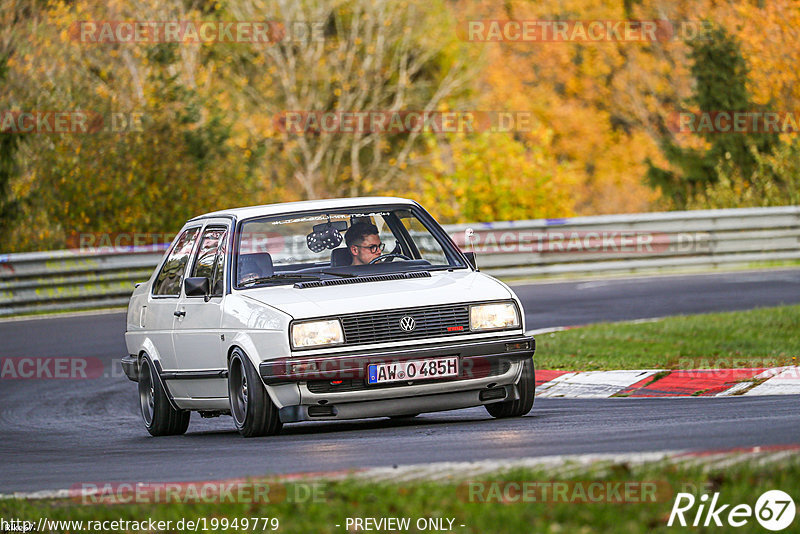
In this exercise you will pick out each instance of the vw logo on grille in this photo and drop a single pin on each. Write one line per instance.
(408, 324)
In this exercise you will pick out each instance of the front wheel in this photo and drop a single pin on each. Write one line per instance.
(160, 418)
(253, 412)
(522, 405)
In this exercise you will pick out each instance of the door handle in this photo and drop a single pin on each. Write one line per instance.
(181, 313)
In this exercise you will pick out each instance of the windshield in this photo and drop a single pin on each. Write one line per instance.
(338, 244)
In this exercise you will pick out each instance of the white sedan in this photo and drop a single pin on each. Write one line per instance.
(322, 310)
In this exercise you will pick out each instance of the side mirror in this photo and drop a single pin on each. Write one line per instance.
(197, 286)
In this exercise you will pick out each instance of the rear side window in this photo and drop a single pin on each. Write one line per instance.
(168, 281)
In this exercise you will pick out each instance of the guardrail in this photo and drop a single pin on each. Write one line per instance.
(634, 243)
(77, 279)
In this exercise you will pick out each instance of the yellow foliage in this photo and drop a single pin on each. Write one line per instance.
(209, 113)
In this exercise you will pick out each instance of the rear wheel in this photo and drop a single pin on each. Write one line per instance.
(160, 418)
(522, 405)
(253, 412)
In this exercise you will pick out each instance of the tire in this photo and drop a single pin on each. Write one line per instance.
(159, 417)
(523, 405)
(252, 410)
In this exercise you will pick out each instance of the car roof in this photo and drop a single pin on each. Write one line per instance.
(305, 205)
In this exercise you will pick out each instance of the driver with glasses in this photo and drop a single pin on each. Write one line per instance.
(363, 243)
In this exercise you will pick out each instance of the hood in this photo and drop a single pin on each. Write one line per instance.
(441, 288)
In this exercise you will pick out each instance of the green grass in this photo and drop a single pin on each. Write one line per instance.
(741, 483)
(766, 337)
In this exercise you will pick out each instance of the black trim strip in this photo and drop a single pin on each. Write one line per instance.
(194, 375)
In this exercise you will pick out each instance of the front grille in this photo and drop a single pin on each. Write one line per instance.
(482, 369)
(383, 326)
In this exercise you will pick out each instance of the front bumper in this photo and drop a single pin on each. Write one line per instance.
(335, 387)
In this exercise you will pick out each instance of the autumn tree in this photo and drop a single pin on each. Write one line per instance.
(775, 181)
(9, 141)
(9, 208)
(720, 74)
(359, 56)
(163, 149)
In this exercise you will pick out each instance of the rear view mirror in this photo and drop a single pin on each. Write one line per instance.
(197, 286)
(339, 226)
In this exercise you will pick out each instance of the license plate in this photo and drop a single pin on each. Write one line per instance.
(380, 373)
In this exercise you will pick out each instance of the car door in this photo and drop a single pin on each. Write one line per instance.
(196, 336)
(158, 316)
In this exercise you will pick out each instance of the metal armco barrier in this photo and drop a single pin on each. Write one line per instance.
(634, 243)
(75, 279)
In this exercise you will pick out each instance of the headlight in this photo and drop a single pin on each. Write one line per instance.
(493, 316)
(317, 333)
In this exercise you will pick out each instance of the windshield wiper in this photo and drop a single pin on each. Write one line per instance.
(296, 276)
(282, 276)
(341, 275)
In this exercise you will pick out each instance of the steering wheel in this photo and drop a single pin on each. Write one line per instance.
(384, 257)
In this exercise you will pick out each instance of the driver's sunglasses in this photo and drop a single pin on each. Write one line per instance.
(373, 248)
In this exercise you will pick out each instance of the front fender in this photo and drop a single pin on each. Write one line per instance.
(259, 346)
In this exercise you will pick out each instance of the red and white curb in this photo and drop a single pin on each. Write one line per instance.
(666, 383)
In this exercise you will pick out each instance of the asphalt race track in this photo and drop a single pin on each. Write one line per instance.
(574, 303)
(57, 433)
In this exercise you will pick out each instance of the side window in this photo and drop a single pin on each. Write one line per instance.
(386, 235)
(211, 258)
(429, 248)
(168, 281)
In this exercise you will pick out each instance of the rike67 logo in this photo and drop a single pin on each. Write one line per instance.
(774, 510)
